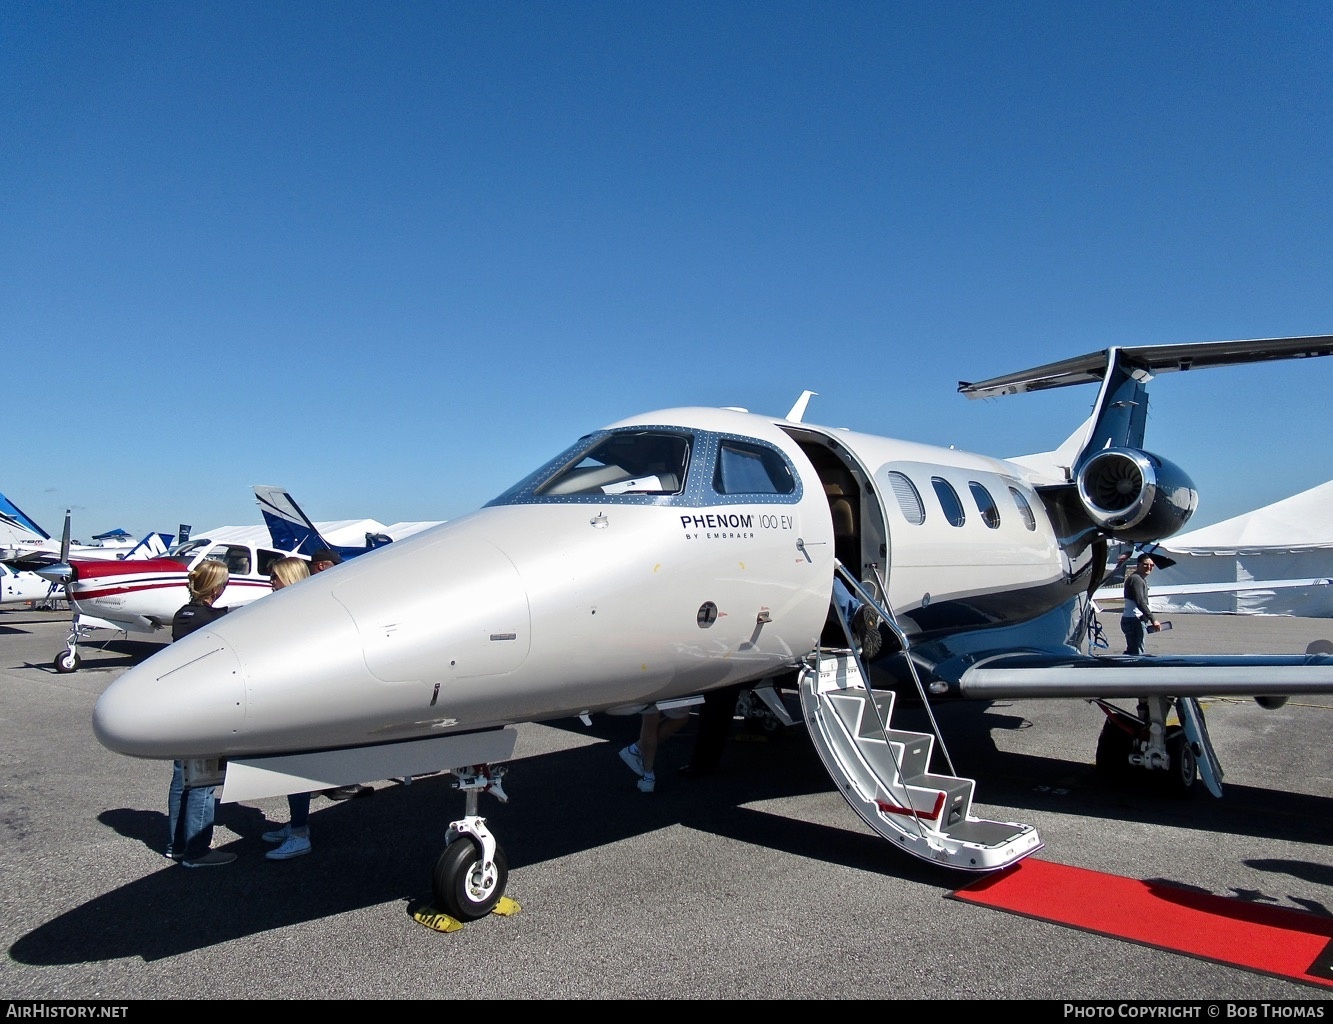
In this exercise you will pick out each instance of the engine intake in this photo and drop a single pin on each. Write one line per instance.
(1136, 495)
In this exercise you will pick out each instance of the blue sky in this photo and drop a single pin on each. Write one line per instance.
(395, 255)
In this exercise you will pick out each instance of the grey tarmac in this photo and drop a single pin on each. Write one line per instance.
(757, 883)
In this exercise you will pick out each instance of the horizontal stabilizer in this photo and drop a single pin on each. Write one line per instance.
(1154, 359)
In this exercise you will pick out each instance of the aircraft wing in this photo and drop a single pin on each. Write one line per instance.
(1023, 674)
(30, 560)
(1154, 359)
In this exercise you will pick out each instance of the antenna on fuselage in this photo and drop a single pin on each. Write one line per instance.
(798, 410)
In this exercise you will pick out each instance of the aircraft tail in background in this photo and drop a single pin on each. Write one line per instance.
(292, 530)
(154, 545)
(17, 523)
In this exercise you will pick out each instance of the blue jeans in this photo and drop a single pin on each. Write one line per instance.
(189, 817)
(845, 599)
(1134, 633)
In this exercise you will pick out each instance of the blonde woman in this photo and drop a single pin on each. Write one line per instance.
(190, 811)
(294, 837)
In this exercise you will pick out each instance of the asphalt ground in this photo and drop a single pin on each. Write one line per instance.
(757, 883)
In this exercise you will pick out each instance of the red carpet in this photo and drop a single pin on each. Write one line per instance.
(1285, 943)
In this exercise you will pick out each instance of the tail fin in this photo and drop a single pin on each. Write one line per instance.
(289, 527)
(18, 521)
(292, 530)
(152, 546)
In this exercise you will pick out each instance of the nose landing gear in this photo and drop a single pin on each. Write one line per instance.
(470, 877)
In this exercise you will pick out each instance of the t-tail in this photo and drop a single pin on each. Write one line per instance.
(1102, 482)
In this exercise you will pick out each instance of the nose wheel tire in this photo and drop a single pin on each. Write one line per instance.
(66, 661)
(463, 886)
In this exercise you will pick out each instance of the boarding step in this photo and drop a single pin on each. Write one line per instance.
(884, 773)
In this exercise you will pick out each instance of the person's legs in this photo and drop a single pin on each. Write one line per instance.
(197, 817)
(295, 838)
(175, 834)
(648, 736)
(1133, 630)
(298, 805)
(669, 725)
(714, 724)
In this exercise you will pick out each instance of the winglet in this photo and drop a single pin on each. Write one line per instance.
(798, 410)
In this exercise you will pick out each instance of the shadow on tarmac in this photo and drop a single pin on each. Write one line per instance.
(380, 851)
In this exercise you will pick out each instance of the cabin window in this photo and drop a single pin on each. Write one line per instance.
(909, 498)
(1024, 509)
(266, 560)
(953, 508)
(235, 557)
(638, 462)
(750, 469)
(990, 515)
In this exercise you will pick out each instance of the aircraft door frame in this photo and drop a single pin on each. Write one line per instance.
(843, 476)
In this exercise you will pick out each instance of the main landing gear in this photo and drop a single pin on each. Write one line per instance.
(470, 877)
(1174, 756)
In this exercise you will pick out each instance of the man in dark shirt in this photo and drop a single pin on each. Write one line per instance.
(1136, 614)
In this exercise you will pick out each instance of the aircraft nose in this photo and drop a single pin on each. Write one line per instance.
(175, 704)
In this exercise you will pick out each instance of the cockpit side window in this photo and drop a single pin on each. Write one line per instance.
(637, 462)
(750, 469)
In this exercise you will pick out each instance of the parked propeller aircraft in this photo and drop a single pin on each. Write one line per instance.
(680, 551)
(142, 594)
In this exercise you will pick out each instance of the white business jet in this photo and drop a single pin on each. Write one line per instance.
(689, 549)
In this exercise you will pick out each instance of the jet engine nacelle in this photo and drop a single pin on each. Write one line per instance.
(1136, 495)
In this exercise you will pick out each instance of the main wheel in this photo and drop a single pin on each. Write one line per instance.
(463, 886)
(1114, 746)
(1183, 771)
(66, 661)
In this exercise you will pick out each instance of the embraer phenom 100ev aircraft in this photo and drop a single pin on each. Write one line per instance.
(679, 551)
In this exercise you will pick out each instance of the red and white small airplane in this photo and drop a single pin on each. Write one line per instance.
(142, 595)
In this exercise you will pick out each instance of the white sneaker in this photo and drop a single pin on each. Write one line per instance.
(294, 846)
(648, 783)
(278, 834)
(634, 760)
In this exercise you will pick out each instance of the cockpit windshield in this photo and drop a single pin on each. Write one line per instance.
(643, 462)
(660, 465)
(188, 550)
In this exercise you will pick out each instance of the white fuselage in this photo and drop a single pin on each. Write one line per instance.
(578, 593)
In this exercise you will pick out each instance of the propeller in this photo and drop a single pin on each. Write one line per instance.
(64, 539)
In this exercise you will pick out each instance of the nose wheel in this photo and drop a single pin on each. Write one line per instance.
(470, 877)
(467, 885)
(66, 661)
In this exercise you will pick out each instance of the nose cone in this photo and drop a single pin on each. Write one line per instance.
(57, 572)
(176, 704)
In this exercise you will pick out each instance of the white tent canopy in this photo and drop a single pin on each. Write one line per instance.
(349, 533)
(1276, 560)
